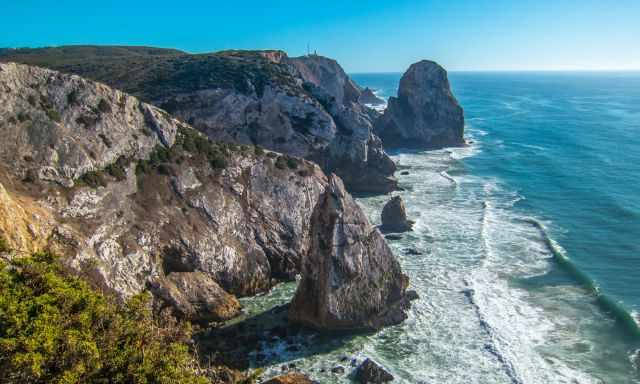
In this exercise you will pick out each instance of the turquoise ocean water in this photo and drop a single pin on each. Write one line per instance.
(529, 269)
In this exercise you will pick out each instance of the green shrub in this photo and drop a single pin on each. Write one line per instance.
(55, 328)
(4, 245)
(258, 150)
(281, 162)
(118, 169)
(292, 162)
(22, 117)
(93, 179)
(53, 115)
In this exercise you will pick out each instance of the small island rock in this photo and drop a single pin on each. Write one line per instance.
(394, 216)
(369, 372)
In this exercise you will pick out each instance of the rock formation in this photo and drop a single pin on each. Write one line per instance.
(368, 97)
(137, 199)
(394, 216)
(350, 278)
(369, 372)
(306, 107)
(425, 114)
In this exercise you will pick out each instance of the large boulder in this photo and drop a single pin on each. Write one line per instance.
(425, 114)
(369, 372)
(350, 278)
(394, 216)
(195, 296)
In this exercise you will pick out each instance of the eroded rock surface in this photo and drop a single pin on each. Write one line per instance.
(350, 278)
(425, 114)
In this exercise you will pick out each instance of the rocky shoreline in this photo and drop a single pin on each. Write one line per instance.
(223, 189)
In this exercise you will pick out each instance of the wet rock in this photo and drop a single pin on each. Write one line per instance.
(290, 378)
(394, 216)
(369, 372)
(413, 252)
(350, 279)
(393, 237)
(412, 295)
(404, 173)
(194, 296)
(425, 114)
(339, 369)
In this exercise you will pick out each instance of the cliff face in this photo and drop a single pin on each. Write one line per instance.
(355, 153)
(306, 107)
(425, 114)
(136, 199)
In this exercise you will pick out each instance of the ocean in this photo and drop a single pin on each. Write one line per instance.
(529, 240)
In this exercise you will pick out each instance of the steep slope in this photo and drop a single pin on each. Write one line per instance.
(137, 199)
(250, 97)
(425, 114)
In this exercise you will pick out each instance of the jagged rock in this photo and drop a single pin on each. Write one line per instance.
(369, 372)
(368, 97)
(394, 216)
(290, 378)
(306, 107)
(350, 278)
(425, 114)
(194, 296)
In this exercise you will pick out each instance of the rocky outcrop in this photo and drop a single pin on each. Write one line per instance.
(425, 114)
(195, 296)
(369, 372)
(306, 107)
(350, 278)
(368, 97)
(394, 216)
(136, 199)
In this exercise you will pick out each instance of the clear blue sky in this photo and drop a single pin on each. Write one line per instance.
(365, 36)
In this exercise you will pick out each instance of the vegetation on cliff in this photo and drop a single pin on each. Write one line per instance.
(55, 328)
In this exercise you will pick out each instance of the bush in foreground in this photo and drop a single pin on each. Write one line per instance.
(55, 328)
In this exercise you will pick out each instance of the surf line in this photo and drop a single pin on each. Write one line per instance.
(606, 303)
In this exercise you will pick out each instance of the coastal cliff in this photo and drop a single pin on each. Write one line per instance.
(305, 107)
(136, 199)
(425, 114)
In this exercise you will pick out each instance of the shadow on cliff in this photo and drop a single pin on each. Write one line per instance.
(266, 339)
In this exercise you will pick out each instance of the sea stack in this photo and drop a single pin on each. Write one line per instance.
(394, 216)
(350, 279)
(368, 97)
(425, 114)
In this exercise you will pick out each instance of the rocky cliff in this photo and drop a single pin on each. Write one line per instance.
(350, 279)
(137, 199)
(425, 114)
(306, 107)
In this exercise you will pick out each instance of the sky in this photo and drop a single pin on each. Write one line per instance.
(364, 36)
